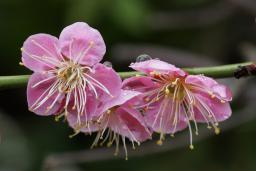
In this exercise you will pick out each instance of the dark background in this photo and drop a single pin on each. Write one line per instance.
(185, 33)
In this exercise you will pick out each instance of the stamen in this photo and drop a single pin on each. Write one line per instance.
(84, 52)
(98, 84)
(43, 48)
(125, 149)
(74, 134)
(46, 61)
(42, 81)
(217, 131)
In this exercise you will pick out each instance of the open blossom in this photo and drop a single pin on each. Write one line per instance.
(173, 100)
(116, 121)
(68, 78)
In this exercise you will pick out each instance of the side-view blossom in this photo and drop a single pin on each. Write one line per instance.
(68, 78)
(173, 100)
(116, 121)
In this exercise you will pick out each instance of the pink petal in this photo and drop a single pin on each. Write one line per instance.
(38, 46)
(131, 125)
(221, 111)
(140, 83)
(88, 115)
(155, 65)
(82, 43)
(222, 92)
(210, 85)
(72, 122)
(200, 80)
(124, 97)
(153, 120)
(109, 79)
(34, 93)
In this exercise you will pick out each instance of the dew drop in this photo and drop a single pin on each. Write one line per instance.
(143, 57)
(108, 64)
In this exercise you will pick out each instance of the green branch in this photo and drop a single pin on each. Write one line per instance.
(222, 71)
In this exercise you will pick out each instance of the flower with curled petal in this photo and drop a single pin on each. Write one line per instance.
(172, 99)
(116, 121)
(68, 78)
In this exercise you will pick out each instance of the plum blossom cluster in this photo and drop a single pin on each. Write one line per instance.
(70, 82)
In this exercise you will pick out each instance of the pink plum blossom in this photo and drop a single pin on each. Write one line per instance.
(68, 78)
(116, 121)
(173, 100)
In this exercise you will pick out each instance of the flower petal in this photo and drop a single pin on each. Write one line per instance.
(40, 52)
(34, 93)
(200, 80)
(211, 86)
(109, 79)
(221, 111)
(131, 125)
(139, 83)
(155, 65)
(124, 97)
(87, 117)
(222, 92)
(160, 119)
(82, 43)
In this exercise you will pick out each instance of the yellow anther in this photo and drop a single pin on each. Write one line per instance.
(191, 147)
(196, 133)
(126, 158)
(72, 135)
(109, 144)
(159, 142)
(211, 94)
(222, 101)
(217, 131)
(175, 82)
(137, 75)
(21, 49)
(21, 63)
(56, 119)
(108, 111)
(91, 43)
(146, 99)
(145, 108)
(152, 73)
(209, 127)
(172, 135)
(167, 91)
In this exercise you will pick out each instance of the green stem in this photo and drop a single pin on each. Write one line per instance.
(215, 71)
(222, 71)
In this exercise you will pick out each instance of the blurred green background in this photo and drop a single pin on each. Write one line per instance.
(185, 33)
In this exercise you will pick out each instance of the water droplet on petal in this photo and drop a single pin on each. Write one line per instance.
(108, 64)
(143, 57)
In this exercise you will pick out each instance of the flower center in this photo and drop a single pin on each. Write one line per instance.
(69, 74)
(175, 90)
